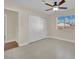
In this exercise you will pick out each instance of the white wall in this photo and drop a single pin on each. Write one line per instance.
(23, 22)
(23, 37)
(51, 21)
(67, 35)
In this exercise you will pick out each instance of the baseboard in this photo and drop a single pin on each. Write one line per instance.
(22, 44)
(73, 41)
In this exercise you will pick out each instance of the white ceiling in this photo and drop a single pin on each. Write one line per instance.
(38, 5)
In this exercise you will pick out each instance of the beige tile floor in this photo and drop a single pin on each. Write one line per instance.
(43, 49)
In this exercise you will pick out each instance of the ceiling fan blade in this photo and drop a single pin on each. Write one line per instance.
(49, 9)
(61, 2)
(49, 4)
(62, 7)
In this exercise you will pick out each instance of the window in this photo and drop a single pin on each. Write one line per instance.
(65, 22)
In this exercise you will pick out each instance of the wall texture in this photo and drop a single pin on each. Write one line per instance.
(23, 37)
(23, 23)
(51, 25)
(67, 35)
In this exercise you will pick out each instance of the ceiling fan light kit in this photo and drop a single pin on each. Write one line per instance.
(55, 8)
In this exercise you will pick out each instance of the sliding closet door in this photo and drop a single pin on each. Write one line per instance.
(37, 28)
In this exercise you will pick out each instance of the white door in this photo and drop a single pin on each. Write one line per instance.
(37, 28)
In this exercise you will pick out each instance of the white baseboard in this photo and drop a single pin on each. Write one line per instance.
(22, 44)
(73, 41)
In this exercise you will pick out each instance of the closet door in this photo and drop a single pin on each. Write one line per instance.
(10, 25)
(37, 28)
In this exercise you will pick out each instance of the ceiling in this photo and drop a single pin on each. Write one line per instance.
(38, 5)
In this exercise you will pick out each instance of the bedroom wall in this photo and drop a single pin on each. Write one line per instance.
(23, 25)
(51, 25)
(67, 35)
(23, 22)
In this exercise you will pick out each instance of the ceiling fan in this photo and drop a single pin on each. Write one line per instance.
(55, 6)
